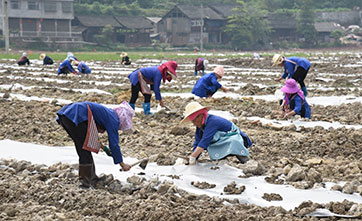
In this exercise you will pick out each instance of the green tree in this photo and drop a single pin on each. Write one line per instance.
(305, 24)
(248, 26)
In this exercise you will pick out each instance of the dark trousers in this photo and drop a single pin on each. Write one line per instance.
(78, 134)
(299, 76)
(135, 90)
(64, 70)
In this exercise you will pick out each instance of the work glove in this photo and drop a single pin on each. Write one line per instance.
(107, 150)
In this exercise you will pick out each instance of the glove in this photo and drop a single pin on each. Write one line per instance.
(107, 150)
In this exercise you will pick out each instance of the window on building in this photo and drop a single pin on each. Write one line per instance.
(33, 5)
(15, 4)
(50, 6)
(67, 7)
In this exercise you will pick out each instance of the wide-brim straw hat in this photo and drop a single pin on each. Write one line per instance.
(123, 54)
(42, 55)
(75, 62)
(191, 108)
(278, 59)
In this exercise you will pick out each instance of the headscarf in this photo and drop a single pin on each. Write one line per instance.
(203, 111)
(125, 113)
(169, 66)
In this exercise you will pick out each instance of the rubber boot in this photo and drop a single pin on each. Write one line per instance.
(242, 159)
(195, 73)
(147, 108)
(133, 106)
(304, 89)
(85, 175)
(94, 177)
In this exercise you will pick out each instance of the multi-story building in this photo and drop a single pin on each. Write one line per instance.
(39, 20)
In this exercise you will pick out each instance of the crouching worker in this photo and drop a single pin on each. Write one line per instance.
(66, 67)
(82, 67)
(207, 85)
(220, 137)
(46, 59)
(82, 121)
(23, 60)
(294, 102)
(141, 78)
(200, 65)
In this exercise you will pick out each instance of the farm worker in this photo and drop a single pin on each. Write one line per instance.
(207, 85)
(83, 121)
(70, 57)
(46, 59)
(200, 65)
(294, 102)
(294, 67)
(66, 67)
(23, 60)
(82, 67)
(125, 59)
(141, 78)
(220, 137)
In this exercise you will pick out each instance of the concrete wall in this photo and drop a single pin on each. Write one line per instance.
(343, 18)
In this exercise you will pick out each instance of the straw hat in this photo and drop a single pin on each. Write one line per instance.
(278, 59)
(42, 56)
(123, 54)
(219, 71)
(75, 62)
(191, 108)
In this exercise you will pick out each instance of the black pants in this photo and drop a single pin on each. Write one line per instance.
(78, 134)
(64, 70)
(135, 90)
(299, 76)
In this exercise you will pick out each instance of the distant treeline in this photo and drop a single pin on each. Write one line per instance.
(158, 8)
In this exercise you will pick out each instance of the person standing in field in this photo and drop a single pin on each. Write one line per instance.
(141, 78)
(294, 67)
(83, 121)
(200, 65)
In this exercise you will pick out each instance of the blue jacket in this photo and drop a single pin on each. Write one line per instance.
(83, 68)
(151, 74)
(213, 124)
(47, 60)
(299, 106)
(104, 117)
(206, 85)
(290, 68)
(68, 64)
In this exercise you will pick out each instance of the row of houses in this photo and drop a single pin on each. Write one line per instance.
(54, 22)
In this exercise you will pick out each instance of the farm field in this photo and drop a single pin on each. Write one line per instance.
(296, 166)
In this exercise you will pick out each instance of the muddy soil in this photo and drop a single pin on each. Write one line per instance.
(305, 158)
